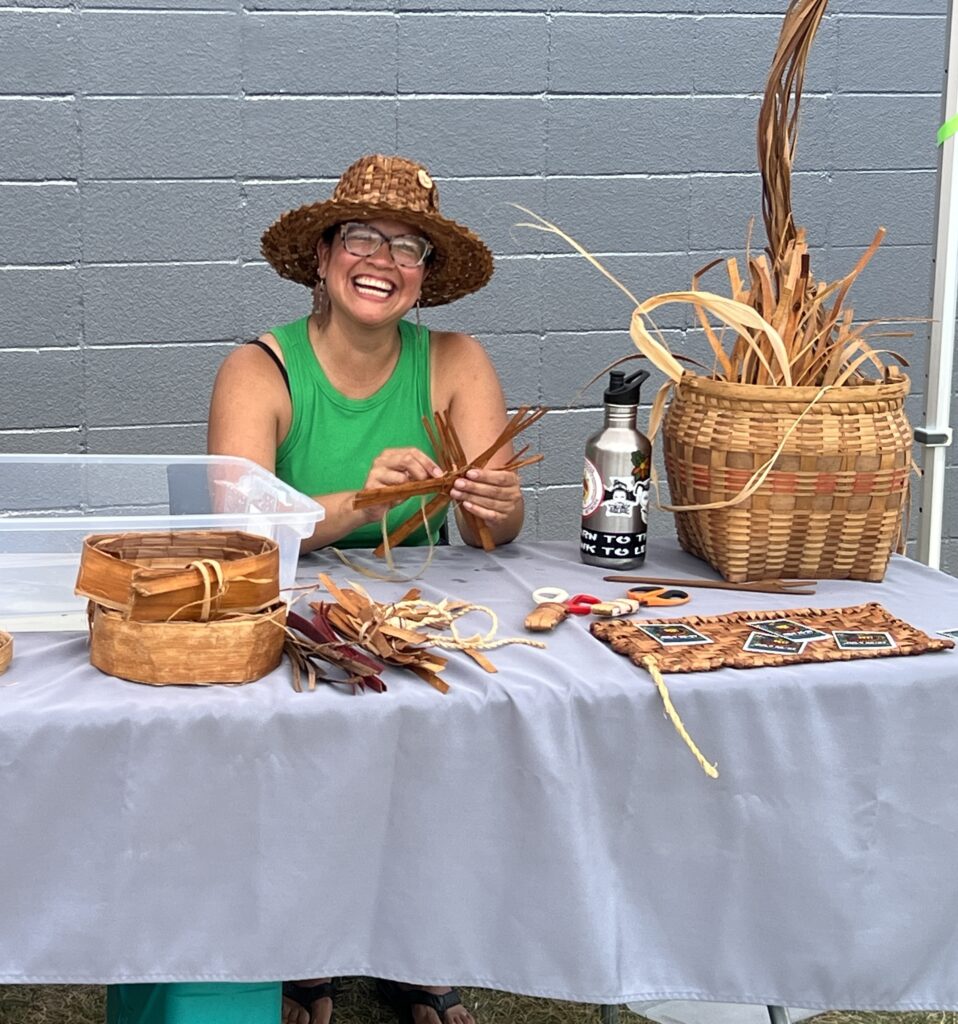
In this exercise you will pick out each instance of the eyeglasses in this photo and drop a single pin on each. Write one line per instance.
(365, 240)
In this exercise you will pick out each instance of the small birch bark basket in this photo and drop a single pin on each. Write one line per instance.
(179, 575)
(6, 651)
(234, 648)
(183, 607)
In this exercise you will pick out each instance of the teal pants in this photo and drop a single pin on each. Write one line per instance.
(195, 1003)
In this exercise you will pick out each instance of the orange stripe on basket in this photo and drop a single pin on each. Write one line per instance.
(825, 483)
(725, 479)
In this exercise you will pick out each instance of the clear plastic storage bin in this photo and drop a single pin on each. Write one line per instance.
(49, 503)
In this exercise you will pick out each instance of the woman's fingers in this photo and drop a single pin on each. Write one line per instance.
(489, 493)
(397, 465)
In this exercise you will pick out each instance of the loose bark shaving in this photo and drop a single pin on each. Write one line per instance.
(397, 634)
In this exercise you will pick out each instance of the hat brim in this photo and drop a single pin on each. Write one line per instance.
(461, 264)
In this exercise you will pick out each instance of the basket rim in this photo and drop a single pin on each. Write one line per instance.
(844, 394)
(225, 619)
(133, 582)
(100, 541)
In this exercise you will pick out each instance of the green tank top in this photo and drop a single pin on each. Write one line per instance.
(333, 439)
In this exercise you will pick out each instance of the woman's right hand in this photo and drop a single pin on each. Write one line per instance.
(396, 466)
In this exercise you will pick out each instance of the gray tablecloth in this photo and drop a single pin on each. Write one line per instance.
(542, 830)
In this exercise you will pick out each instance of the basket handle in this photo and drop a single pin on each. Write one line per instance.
(207, 568)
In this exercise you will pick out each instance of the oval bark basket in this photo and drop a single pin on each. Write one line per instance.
(233, 649)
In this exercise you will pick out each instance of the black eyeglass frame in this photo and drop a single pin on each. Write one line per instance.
(427, 252)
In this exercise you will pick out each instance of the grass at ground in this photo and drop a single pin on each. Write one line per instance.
(357, 1004)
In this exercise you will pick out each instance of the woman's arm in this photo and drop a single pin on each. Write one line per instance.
(467, 386)
(250, 414)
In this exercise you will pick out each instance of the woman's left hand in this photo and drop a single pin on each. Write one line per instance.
(491, 494)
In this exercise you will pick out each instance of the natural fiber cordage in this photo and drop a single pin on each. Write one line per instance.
(396, 633)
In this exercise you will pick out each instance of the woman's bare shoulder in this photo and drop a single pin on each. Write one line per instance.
(250, 375)
(250, 360)
(452, 349)
(461, 365)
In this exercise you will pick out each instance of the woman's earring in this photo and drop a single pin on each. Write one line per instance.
(418, 324)
(319, 296)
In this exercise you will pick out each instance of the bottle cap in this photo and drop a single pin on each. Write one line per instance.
(624, 390)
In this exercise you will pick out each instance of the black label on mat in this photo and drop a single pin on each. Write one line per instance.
(612, 545)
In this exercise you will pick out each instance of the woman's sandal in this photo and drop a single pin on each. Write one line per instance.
(306, 995)
(402, 1000)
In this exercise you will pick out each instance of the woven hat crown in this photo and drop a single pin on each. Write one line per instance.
(389, 181)
(394, 188)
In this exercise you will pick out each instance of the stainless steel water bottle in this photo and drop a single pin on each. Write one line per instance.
(615, 483)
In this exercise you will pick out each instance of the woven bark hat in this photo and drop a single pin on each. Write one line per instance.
(387, 187)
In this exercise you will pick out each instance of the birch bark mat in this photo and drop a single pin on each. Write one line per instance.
(731, 634)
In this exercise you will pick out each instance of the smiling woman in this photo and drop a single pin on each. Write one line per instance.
(334, 402)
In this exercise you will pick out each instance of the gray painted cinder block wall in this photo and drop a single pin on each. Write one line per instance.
(147, 144)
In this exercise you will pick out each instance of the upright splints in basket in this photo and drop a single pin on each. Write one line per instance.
(187, 606)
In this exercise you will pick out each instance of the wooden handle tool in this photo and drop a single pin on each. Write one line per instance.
(774, 586)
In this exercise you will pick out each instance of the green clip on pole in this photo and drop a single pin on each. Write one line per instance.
(949, 128)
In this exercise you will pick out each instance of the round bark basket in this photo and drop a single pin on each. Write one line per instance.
(6, 651)
(235, 648)
(832, 502)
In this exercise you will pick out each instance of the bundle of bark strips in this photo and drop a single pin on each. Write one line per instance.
(453, 462)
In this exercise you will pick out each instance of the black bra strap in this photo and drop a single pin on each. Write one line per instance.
(274, 357)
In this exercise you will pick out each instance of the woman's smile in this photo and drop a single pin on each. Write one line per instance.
(375, 288)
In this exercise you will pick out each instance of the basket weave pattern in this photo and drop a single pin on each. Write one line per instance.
(832, 505)
(390, 187)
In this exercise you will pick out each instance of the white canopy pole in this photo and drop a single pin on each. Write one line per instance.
(935, 436)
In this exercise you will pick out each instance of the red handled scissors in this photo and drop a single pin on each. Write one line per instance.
(577, 604)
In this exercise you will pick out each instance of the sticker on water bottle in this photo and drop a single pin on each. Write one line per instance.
(612, 545)
(623, 496)
(592, 489)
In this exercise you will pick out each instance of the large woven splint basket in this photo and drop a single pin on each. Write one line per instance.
(828, 506)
